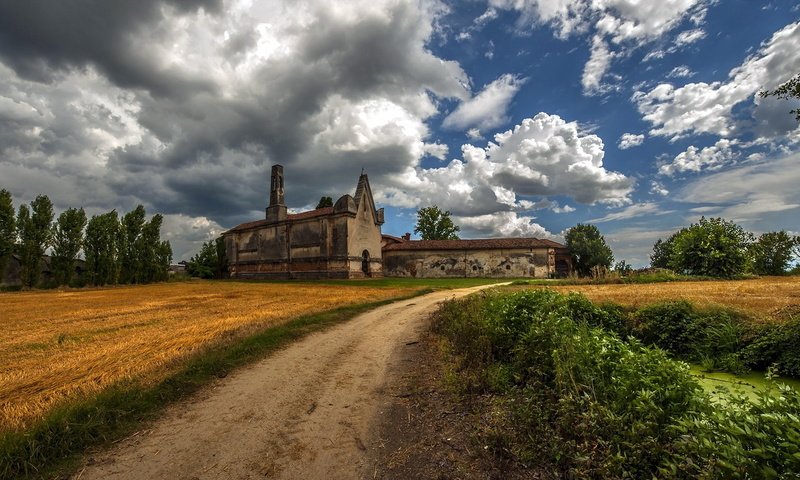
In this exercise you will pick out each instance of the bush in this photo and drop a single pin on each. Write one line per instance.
(672, 326)
(740, 439)
(711, 337)
(604, 401)
(774, 345)
(611, 407)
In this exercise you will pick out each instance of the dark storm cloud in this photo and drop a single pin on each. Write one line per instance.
(274, 118)
(40, 38)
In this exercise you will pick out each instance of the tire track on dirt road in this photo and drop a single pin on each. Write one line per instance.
(305, 411)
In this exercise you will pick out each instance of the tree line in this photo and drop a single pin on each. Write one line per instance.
(712, 247)
(117, 249)
(716, 247)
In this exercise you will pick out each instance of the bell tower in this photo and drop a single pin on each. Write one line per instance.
(276, 211)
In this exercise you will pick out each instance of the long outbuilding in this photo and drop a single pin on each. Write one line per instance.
(488, 257)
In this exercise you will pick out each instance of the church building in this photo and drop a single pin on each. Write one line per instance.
(343, 241)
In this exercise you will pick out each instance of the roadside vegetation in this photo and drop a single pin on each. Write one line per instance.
(600, 391)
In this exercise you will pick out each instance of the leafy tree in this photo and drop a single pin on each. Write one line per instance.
(35, 233)
(434, 224)
(588, 249)
(772, 252)
(662, 251)
(163, 259)
(67, 242)
(209, 262)
(148, 247)
(8, 230)
(101, 249)
(787, 91)
(712, 247)
(130, 231)
(325, 202)
(623, 268)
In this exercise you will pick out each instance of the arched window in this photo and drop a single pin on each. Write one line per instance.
(365, 262)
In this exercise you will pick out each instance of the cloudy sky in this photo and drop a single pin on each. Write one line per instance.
(521, 117)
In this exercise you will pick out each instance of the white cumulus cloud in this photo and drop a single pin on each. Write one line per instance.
(707, 107)
(503, 224)
(541, 157)
(488, 108)
(630, 140)
(695, 159)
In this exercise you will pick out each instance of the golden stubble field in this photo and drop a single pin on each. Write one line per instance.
(761, 298)
(56, 345)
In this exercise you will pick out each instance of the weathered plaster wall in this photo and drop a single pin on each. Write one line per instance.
(538, 263)
(364, 234)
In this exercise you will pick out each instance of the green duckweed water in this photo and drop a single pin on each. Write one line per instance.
(747, 384)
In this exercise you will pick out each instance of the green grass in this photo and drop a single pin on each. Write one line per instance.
(53, 447)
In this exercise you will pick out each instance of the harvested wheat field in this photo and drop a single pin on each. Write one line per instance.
(57, 345)
(761, 298)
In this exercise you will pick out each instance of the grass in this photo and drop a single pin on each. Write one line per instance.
(762, 298)
(52, 444)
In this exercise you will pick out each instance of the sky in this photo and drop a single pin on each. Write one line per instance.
(520, 117)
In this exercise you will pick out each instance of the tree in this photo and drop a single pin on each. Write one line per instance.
(433, 224)
(786, 91)
(163, 259)
(662, 251)
(130, 230)
(772, 252)
(67, 242)
(588, 249)
(623, 268)
(325, 202)
(209, 262)
(712, 247)
(100, 248)
(148, 247)
(8, 230)
(35, 234)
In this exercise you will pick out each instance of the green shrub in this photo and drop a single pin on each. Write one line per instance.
(672, 326)
(740, 439)
(611, 407)
(776, 344)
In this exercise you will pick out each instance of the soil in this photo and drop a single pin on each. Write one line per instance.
(429, 431)
(359, 400)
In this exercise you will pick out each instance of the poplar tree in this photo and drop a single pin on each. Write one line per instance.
(67, 242)
(8, 230)
(35, 234)
(101, 249)
(148, 249)
(130, 231)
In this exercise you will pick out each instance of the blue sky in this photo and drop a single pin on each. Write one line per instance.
(521, 117)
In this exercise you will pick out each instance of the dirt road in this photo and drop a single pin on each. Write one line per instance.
(303, 412)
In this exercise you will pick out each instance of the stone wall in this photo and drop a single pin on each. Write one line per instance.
(494, 263)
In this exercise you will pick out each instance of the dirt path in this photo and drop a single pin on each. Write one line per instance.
(303, 412)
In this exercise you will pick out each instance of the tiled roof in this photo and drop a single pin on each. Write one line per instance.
(473, 244)
(292, 217)
(392, 238)
(310, 214)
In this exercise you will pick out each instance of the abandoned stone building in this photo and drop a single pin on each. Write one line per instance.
(491, 257)
(343, 241)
